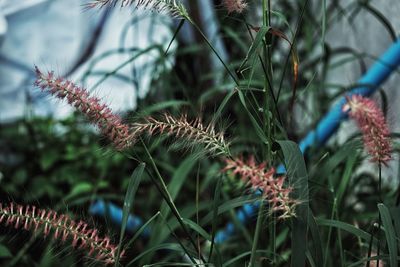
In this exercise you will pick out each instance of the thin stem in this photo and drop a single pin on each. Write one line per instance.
(370, 247)
(380, 219)
(380, 182)
(162, 188)
(273, 236)
(256, 235)
(215, 52)
(329, 232)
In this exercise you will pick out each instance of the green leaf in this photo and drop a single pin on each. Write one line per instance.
(253, 51)
(221, 107)
(340, 156)
(165, 246)
(5, 252)
(389, 233)
(197, 228)
(216, 200)
(316, 237)
(79, 189)
(141, 229)
(230, 205)
(350, 163)
(345, 227)
(298, 177)
(174, 187)
(163, 189)
(259, 130)
(395, 213)
(130, 195)
(162, 106)
(48, 159)
(265, 253)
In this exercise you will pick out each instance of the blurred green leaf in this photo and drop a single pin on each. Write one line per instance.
(48, 159)
(298, 177)
(389, 233)
(80, 188)
(134, 182)
(5, 252)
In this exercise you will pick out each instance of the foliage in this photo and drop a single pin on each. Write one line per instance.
(270, 92)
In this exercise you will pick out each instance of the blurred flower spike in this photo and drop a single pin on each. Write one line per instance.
(371, 121)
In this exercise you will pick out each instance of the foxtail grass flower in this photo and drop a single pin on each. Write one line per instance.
(99, 114)
(63, 228)
(374, 129)
(193, 132)
(174, 7)
(237, 6)
(273, 188)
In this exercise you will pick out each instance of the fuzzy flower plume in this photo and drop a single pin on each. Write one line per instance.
(371, 121)
(63, 227)
(193, 132)
(174, 7)
(235, 5)
(99, 114)
(260, 178)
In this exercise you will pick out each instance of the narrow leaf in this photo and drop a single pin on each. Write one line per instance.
(389, 233)
(298, 177)
(128, 201)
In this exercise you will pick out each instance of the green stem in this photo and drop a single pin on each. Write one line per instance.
(256, 235)
(162, 188)
(379, 219)
(329, 232)
(215, 52)
(267, 80)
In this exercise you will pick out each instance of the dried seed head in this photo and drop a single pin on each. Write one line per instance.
(371, 121)
(273, 188)
(63, 228)
(99, 114)
(193, 132)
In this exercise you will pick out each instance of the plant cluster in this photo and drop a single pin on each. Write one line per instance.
(253, 198)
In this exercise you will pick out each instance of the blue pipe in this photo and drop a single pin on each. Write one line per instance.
(327, 126)
(108, 209)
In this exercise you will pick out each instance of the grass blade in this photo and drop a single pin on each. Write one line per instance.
(389, 233)
(130, 195)
(298, 177)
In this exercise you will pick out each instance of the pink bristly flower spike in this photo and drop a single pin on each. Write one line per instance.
(192, 131)
(260, 178)
(63, 228)
(235, 5)
(371, 121)
(99, 114)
